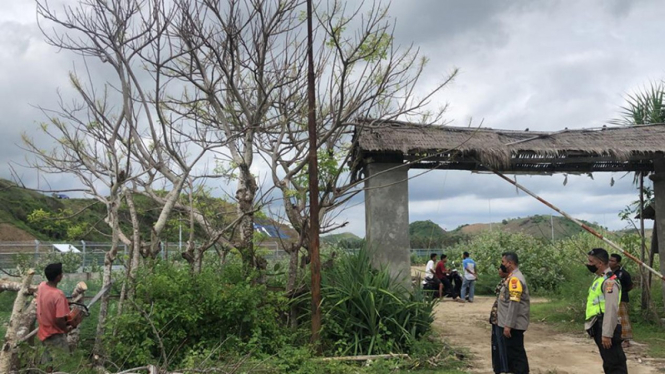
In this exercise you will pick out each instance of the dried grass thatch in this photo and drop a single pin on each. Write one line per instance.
(502, 148)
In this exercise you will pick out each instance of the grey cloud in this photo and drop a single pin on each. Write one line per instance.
(542, 65)
(434, 21)
(443, 184)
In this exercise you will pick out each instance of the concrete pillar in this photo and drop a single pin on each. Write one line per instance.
(387, 218)
(658, 179)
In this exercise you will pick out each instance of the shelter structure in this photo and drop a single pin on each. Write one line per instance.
(384, 151)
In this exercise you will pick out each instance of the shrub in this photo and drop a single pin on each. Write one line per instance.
(176, 313)
(545, 265)
(418, 260)
(71, 262)
(366, 311)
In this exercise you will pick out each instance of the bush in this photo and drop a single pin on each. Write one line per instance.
(176, 314)
(542, 263)
(418, 260)
(366, 311)
(71, 262)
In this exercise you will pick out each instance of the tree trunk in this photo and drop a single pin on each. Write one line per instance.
(134, 254)
(106, 277)
(658, 179)
(198, 260)
(28, 319)
(653, 251)
(245, 195)
(8, 353)
(77, 296)
(291, 285)
(293, 271)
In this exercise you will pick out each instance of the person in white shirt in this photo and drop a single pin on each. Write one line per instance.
(430, 276)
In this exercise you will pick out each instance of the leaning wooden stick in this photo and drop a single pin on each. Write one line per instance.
(587, 228)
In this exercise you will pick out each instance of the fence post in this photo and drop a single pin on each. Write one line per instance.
(83, 261)
(36, 250)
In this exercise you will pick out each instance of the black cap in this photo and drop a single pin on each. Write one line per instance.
(53, 270)
(600, 254)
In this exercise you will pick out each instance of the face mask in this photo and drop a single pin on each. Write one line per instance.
(503, 268)
(592, 268)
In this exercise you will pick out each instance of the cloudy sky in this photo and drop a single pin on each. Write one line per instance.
(540, 65)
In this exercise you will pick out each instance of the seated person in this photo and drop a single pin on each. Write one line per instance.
(445, 276)
(431, 282)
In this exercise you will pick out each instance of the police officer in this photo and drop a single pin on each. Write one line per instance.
(513, 314)
(602, 313)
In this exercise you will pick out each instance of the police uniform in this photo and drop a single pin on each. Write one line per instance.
(513, 311)
(602, 320)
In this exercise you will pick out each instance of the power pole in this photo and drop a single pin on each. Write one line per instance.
(315, 264)
(489, 208)
(552, 224)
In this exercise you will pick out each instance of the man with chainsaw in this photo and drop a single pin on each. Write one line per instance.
(54, 317)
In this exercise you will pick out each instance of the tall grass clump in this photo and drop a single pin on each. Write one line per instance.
(366, 311)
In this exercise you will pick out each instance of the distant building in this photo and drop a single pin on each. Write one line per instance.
(275, 235)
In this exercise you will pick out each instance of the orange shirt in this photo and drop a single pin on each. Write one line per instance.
(51, 304)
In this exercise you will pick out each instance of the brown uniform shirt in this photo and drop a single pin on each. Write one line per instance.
(514, 302)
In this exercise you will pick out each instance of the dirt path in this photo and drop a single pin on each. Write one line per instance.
(465, 325)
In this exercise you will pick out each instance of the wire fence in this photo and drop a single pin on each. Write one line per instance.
(84, 256)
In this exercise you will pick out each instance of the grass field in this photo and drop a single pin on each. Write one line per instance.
(564, 317)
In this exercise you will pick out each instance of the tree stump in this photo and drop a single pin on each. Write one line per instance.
(8, 353)
(77, 296)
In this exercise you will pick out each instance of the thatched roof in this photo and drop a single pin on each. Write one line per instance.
(579, 150)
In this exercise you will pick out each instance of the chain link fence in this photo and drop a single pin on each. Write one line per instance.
(86, 256)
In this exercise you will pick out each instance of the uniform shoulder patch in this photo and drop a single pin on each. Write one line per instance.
(515, 289)
(609, 285)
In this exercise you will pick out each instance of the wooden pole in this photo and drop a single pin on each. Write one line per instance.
(643, 275)
(582, 225)
(315, 264)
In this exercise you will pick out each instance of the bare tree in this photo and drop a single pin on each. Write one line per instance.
(237, 56)
(361, 74)
(122, 135)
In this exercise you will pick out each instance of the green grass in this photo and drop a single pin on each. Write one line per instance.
(563, 316)
(6, 305)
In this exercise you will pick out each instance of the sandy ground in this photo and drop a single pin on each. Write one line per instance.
(465, 325)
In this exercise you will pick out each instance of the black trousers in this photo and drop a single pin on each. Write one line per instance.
(455, 277)
(448, 289)
(499, 357)
(614, 359)
(517, 360)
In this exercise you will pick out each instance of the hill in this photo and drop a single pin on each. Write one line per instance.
(538, 226)
(343, 240)
(427, 234)
(26, 215)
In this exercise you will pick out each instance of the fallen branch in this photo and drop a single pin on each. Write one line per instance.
(9, 285)
(365, 357)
